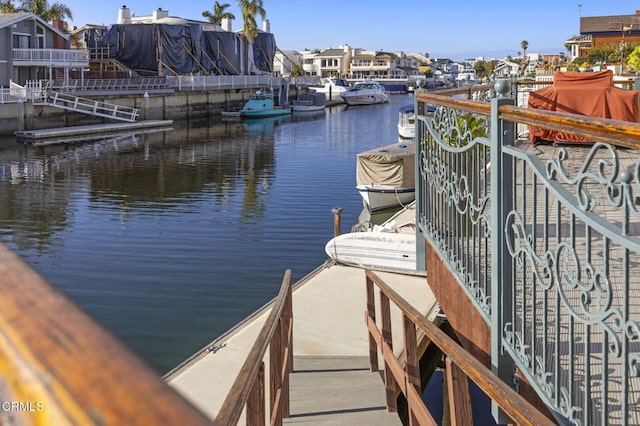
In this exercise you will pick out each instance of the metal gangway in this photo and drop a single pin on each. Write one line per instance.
(40, 96)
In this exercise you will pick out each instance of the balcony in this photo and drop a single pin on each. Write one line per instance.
(50, 58)
(533, 249)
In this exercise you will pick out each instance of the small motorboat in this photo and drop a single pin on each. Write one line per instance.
(262, 104)
(406, 122)
(309, 102)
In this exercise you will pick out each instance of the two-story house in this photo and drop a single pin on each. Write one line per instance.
(596, 31)
(374, 64)
(33, 49)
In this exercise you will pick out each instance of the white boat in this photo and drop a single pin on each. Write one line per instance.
(381, 197)
(379, 251)
(406, 122)
(331, 87)
(309, 102)
(367, 92)
(385, 176)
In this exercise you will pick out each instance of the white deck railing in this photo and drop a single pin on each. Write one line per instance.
(51, 57)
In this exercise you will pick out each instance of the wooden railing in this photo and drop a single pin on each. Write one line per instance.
(249, 387)
(460, 364)
(59, 367)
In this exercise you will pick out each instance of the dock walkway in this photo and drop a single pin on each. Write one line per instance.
(331, 382)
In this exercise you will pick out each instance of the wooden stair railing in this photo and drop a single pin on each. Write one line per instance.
(59, 367)
(460, 364)
(248, 388)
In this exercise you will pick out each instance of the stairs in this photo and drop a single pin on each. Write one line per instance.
(88, 106)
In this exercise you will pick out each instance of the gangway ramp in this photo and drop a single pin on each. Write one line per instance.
(89, 106)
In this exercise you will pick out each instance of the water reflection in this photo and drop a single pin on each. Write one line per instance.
(169, 239)
(158, 171)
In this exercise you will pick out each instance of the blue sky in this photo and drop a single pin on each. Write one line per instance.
(455, 29)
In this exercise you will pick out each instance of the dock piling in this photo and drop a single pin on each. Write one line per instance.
(337, 214)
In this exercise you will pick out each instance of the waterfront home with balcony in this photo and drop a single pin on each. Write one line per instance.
(35, 49)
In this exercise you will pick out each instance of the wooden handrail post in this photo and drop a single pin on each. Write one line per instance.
(458, 396)
(275, 373)
(371, 313)
(389, 380)
(288, 338)
(255, 403)
(411, 367)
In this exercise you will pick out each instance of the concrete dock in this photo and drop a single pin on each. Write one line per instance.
(331, 382)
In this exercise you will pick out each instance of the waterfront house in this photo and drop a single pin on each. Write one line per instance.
(597, 31)
(162, 45)
(36, 49)
(374, 64)
(506, 69)
(285, 61)
(330, 62)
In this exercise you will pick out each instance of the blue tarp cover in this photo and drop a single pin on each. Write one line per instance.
(184, 49)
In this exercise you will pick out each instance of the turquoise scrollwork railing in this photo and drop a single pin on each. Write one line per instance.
(545, 240)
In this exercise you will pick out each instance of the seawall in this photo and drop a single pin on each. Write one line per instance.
(184, 105)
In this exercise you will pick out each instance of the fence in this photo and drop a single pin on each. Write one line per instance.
(544, 241)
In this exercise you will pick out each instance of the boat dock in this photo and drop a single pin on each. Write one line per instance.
(331, 382)
(90, 132)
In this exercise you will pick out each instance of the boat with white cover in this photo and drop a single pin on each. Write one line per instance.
(367, 92)
(385, 176)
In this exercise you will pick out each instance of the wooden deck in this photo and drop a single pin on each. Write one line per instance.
(330, 344)
(337, 391)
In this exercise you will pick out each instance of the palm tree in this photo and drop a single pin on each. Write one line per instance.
(7, 6)
(46, 11)
(218, 13)
(251, 8)
(524, 44)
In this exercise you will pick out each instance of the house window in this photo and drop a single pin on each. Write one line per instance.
(20, 41)
(40, 35)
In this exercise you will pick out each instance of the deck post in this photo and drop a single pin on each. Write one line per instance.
(275, 375)
(389, 380)
(502, 133)
(255, 404)
(411, 367)
(337, 215)
(371, 313)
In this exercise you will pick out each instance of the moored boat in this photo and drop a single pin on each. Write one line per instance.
(367, 92)
(261, 104)
(385, 176)
(309, 102)
(332, 88)
(406, 122)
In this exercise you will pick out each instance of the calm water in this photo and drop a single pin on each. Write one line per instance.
(169, 239)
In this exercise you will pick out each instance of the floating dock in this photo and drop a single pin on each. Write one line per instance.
(90, 132)
(331, 381)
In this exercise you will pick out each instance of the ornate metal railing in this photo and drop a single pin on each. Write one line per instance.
(545, 241)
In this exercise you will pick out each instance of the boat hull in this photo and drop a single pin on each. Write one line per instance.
(366, 99)
(266, 113)
(380, 197)
(379, 251)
